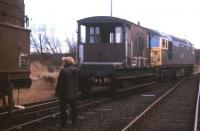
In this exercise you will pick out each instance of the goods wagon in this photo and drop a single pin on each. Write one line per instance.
(14, 46)
(115, 52)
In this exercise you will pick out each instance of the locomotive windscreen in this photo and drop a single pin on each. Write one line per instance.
(155, 42)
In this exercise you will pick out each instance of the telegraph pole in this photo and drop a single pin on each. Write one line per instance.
(111, 9)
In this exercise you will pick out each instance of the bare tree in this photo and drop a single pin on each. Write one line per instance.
(71, 44)
(43, 41)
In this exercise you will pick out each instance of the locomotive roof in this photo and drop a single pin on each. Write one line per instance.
(197, 51)
(102, 19)
(170, 37)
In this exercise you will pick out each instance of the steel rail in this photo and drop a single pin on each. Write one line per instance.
(31, 122)
(197, 111)
(36, 112)
(81, 107)
(133, 122)
(33, 106)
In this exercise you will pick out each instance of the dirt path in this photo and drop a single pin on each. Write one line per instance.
(42, 88)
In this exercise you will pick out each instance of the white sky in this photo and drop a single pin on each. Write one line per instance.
(180, 18)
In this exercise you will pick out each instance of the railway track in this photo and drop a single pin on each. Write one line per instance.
(34, 113)
(31, 110)
(29, 107)
(43, 111)
(106, 114)
(173, 111)
(32, 118)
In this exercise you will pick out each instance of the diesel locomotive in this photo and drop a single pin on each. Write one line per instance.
(15, 47)
(118, 53)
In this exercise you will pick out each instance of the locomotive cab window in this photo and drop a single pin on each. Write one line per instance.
(164, 43)
(155, 42)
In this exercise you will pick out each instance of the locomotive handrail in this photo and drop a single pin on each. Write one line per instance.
(139, 58)
(102, 63)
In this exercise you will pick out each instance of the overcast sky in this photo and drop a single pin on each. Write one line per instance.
(177, 17)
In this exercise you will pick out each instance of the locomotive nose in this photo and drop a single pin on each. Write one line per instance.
(155, 57)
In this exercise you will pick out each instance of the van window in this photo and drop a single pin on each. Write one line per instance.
(106, 33)
(94, 35)
(111, 37)
(91, 30)
(127, 35)
(118, 31)
(83, 34)
(91, 39)
(97, 31)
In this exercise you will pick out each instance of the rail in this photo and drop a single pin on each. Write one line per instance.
(133, 122)
(51, 101)
(197, 111)
(52, 115)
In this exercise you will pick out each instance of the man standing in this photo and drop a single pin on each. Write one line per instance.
(67, 89)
